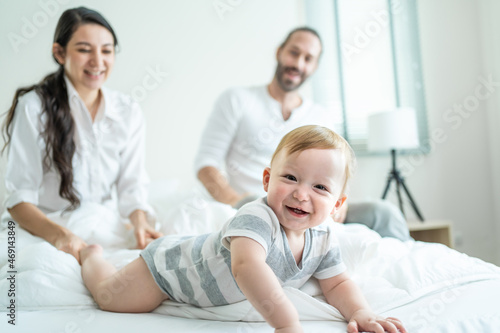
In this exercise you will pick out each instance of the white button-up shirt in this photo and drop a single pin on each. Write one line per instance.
(244, 130)
(109, 156)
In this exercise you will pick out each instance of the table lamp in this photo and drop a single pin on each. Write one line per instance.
(393, 130)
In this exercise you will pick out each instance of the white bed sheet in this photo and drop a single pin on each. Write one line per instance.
(464, 309)
(428, 286)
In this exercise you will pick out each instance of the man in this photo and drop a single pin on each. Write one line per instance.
(247, 124)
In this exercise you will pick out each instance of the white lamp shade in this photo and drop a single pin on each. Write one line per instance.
(392, 130)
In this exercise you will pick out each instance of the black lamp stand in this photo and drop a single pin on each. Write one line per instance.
(395, 175)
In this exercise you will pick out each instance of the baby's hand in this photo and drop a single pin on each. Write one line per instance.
(367, 321)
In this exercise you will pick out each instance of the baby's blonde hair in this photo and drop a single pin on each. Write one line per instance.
(317, 137)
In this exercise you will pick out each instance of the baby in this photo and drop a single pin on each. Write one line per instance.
(280, 240)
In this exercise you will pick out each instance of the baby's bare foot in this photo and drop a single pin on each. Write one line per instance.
(94, 249)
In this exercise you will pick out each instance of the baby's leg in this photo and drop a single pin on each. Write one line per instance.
(131, 289)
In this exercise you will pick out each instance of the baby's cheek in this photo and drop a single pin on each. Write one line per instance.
(328, 205)
(282, 191)
(272, 194)
(276, 195)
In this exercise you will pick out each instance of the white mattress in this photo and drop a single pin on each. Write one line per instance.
(430, 287)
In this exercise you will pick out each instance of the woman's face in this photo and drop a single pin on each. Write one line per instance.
(88, 57)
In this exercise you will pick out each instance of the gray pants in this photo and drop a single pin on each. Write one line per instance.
(380, 216)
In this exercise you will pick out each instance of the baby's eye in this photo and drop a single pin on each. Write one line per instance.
(83, 50)
(321, 187)
(290, 177)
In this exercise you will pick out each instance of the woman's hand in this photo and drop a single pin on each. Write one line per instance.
(143, 231)
(70, 243)
(32, 219)
(367, 321)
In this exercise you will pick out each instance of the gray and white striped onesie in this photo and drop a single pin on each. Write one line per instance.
(197, 269)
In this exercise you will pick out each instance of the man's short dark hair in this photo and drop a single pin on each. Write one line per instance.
(305, 29)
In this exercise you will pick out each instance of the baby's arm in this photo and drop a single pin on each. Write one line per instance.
(342, 293)
(260, 286)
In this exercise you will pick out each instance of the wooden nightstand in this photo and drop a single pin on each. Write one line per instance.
(434, 231)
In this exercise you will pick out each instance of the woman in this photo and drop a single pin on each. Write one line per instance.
(71, 141)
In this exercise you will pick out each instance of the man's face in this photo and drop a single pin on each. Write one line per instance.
(297, 60)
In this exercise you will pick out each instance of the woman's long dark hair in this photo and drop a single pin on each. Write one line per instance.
(59, 126)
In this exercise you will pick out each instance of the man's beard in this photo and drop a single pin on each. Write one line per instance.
(286, 84)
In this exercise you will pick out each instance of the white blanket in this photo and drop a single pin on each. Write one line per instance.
(391, 273)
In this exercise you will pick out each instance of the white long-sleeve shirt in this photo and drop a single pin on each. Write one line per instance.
(109, 155)
(243, 131)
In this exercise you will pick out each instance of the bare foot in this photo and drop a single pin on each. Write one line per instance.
(91, 250)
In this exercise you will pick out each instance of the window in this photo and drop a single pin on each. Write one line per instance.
(370, 62)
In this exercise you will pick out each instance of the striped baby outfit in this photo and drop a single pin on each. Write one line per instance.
(197, 269)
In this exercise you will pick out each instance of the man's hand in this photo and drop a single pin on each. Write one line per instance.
(143, 231)
(218, 186)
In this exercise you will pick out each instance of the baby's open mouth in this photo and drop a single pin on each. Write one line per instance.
(297, 211)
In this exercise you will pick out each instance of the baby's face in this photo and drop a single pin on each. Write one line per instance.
(304, 188)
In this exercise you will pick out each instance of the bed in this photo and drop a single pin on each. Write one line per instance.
(430, 287)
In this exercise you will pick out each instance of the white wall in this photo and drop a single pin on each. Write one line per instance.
(454, 181)
(199, 51)
(204, 54)
(489, 11)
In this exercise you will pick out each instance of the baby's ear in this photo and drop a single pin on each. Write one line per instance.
(339, 203)
(266, 177)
